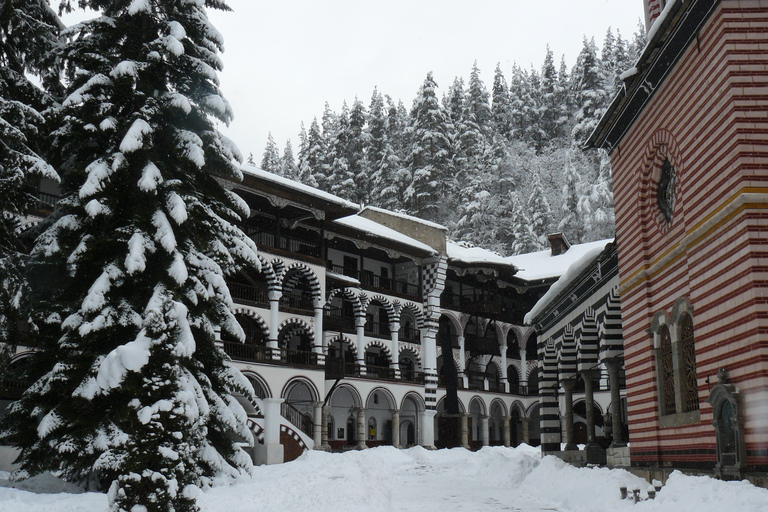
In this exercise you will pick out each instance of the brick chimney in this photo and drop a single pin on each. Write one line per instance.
(558, 243)
(652, 10)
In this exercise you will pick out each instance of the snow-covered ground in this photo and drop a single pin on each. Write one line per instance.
(386, 479)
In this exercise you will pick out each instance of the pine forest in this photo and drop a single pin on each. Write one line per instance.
(501, 168)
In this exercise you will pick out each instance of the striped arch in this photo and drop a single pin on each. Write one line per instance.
(567, 356)
(531, 366)
(261, 381)
(478, 400)
(456, 321)
(278, 267)
(413, 350)
(384, 302)
(380, 344)
(501, 333)
(588, 341)
(269, 273)
(303, 271)
(300, 323)
(410, 306)
(25, 226)
(351, 295)
(517, 405)
(257, 317)
(610, 335)
(501, 404)
(257, 430)
(343, 339)
(497, 364)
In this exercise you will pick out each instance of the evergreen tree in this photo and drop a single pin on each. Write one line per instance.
(376, 136)
(571, 223)
(430, 162)
(516, 234)
(541, 214)
(133, 394)
(270, 161)
(357, 142)
(550, 99)
(590, 97)
(341, 180)
(250, 160)
(311, 160)
(28, 34)
(500, 103)
(477, 99)
(288, 166)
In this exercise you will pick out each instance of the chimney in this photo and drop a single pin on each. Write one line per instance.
(558, 243)
(652, 10)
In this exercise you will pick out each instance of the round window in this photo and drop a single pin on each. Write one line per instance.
(666, 190)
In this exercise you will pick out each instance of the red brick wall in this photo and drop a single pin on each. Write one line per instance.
(710, 118)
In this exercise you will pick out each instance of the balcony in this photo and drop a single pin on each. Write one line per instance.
(300, 303)
(260, 354)
(336, 319)
(378, 329)
(249, 295)
(286, 244)
(13, 389)
(376, 282)
(476, 345)
(410, 335)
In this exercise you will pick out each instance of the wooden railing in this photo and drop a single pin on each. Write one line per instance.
(13, 389)
(247, 352)
(409, 334)
(300, 302)
(287, 243)
(378, 329)
(371, 280)
(247, 294)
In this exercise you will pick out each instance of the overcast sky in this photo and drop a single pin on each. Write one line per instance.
(285, 58)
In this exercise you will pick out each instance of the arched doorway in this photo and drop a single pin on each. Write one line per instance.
(410, 411)
(343, 406)
(378, 412)
(496, 424)
(298, 407)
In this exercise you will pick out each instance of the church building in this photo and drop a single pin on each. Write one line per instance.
(688, 140)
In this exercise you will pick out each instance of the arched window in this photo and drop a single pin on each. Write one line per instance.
(688, 365)
(666, 372)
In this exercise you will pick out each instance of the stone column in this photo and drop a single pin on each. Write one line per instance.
(526, 433)
(485, 431)
(324, 434)
(360, 329)
(614, 365)
(319, 345)
(274, 309)
(568, 427)
(462, 362)
(589, 398)
(317, 425)
(464, 430)
(507, 431)
(396, 428)
(427, 429)
(395, 348)
(504, 376)
(361, 430)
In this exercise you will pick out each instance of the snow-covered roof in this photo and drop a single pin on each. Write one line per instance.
(586, 257)
(374, 228)
(542, 265)
(475, 255)
(406, 216)
(343, 278)
(297, 186)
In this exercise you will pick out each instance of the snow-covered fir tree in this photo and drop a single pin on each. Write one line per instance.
(288, 167)
(133, 395)
(29, 31)
(270, 160)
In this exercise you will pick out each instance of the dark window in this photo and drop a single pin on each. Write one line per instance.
(666, 190)
(688, 353)
(667, 376)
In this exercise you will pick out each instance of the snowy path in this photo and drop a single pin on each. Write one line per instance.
(417, 480)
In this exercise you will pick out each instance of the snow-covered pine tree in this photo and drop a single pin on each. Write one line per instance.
(478, 100)
(340, 181)
(288, 166)
(515, 233)
(430, 159)
(540, 212)
(270, 160)
(590, 96)
(357, 142)
(550, 111)
(28, 33)
(500, 103)
(134, 395)
(312, 157)
(571, 223)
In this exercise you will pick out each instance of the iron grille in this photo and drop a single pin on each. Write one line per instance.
(667, 372)
(691, 387)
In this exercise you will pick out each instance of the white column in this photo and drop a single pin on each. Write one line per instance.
(319, 345)
(361, 430)
(462, 362)
(485, 434)
(396, 428)
(427, 429)
(317, 424)
(507, 431)
(274, 309)
(465, 430)
(272, 419)
(504, 376)
(394, 348)
(360, 328)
